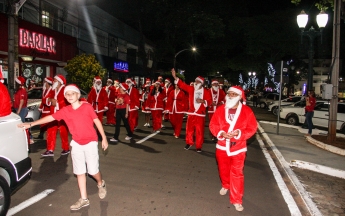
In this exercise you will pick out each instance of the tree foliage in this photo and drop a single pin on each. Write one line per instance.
(82, 69)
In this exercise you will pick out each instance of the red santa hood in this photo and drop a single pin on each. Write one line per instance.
(5, 101)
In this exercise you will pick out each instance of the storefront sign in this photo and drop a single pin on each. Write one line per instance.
(36, 41)
(121, 66)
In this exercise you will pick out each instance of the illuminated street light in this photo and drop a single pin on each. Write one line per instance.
(193, 50)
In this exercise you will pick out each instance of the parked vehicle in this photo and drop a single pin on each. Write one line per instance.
(273, 106)
(15, 164)
(268, 99)
(296, 115)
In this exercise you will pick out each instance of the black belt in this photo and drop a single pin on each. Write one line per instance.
(232, 144)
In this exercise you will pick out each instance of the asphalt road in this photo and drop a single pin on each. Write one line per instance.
(156, 177)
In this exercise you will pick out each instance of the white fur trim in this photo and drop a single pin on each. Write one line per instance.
(219, 135)
(71, 88)
(214, 81)
(239, 134)
(238, 91)
(48, 81)
(18, 81)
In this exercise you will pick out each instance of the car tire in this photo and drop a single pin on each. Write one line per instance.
(5, 196)
(275, 111)
(292, 120)
(262, 105)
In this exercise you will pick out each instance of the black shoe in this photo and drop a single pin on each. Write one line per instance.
(39, 137)
(187, 147)
(65, 152)
(48, 154)
(198, 150)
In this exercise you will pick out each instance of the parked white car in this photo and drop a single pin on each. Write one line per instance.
(268, 99)
(296, 115)
(15, 164)
(273, 106)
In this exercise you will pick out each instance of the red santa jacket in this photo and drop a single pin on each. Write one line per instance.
(112, 94)
(156, 102)
(244, 121)
(44, 108)
(98, 100)
(195, 108)
(58, 95)
(143, 98)
(168, 90)
(134, 96)
(218, 97)
(176, 102)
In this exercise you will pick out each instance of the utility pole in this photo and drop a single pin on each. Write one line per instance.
(13, 65)
(332, 129)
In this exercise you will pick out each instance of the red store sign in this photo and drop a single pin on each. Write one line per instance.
(36, 41)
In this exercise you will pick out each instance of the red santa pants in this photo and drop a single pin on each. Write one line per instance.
(111, 114)
(156, 119)
(230, 170)
(53, 127)
(176, 120)
(100, 116)
(195, 124)
(133, 119)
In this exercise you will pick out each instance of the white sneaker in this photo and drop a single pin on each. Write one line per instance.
(148, 125)
(113, 140)
(223, 191)
(145, 124)
(128, 138)
(238, 207)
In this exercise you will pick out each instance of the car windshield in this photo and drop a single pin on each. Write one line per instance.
(35, 94)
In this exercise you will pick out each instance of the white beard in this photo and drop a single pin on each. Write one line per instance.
(215, 88)
(116, 85)
(44, 87)
(98, 87)
(55, 84)
(231, 102)
(197, 86)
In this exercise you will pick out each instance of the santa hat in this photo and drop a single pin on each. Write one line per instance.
(147, 85)
(201, 79)
(160, 77)
(157, 82)
(167, 80)
(97, 78)
(130, 80)
(110, 80)
(71, 87)
(238, 90)
(60, 78)
(5, 101)
(49, 80)
(20, 80)
(124, 86)
(214, 81)
(148, 80)
(116, 81)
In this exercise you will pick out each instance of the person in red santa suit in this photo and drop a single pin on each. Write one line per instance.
(134, 104)
(98, 98)
(5, 100)
(233, 124)
(155, 103)
(44, 109)
(56, 101)
(176, 107)
(144, 108)
(218, 98)
(199, 99)
(168, 87)
(112, 93)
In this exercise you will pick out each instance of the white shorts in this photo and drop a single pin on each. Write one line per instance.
(85, 157)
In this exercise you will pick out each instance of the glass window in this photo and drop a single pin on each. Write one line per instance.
(49, 15)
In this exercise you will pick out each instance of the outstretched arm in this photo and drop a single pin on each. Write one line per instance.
(44, 120)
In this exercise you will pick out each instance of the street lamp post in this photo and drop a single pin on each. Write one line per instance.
(302, 20)
(252, 76)
(193, 49)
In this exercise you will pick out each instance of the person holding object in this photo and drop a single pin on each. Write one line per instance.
(80, 118)
(122, 112)
(309, 110)
(233, 124)
(155, 103)
(199, 99)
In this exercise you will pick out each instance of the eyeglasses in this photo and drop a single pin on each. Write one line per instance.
(233, 94)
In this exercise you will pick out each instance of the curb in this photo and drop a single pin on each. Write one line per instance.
(327, 147)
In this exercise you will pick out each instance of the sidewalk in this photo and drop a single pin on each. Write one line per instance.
(317, 173)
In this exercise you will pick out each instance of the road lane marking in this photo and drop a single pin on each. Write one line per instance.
(294, 210)
(148, 137)
(298, 185)
(29, 202)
